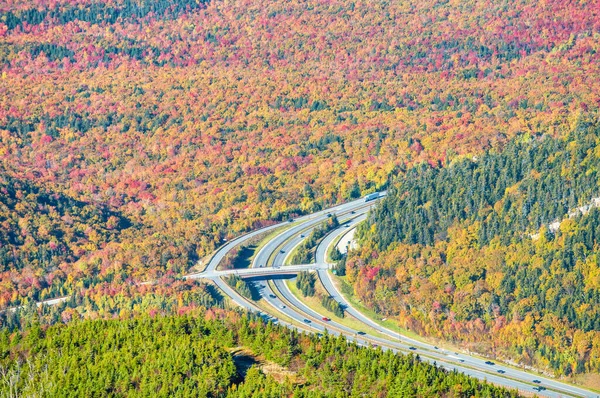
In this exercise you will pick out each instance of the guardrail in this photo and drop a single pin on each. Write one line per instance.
(292, 269)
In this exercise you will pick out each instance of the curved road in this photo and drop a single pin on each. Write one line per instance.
(273, 256)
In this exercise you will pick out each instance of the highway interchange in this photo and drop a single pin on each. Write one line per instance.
(270, 264)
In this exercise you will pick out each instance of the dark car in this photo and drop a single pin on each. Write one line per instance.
(291, 220)
(328, 214)
(282, 251)
(272, 296)
(489, 363)
(537, 381)
(500, 371)
(412, 348)
(361, 333)
(352, 212)
(306, 321)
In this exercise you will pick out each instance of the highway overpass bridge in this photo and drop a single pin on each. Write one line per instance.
(264, 271)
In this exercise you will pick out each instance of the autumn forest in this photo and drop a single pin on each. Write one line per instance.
(138, 136)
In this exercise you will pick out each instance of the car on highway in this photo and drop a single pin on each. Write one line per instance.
(503, 376)
(489, 363)
(436, 347)
(347, 225)
(302, 235)
(326, 319)
(539, 388)
(281, 251)
(328, 214)
(536, 381)
(352, 212)
(260, 265)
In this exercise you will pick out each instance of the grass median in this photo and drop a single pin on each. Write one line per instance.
(348, 294)
(314, 303)
(242, 255)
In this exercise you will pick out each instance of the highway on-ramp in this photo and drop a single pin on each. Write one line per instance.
(269, 264)
(272, 257)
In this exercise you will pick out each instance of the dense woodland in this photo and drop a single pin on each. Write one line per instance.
(166, 296)
(467, 251)
(135, 136)
(190, 355)
(190, 122)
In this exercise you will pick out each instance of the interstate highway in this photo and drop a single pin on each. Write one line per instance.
(282, 301)
(295, 310)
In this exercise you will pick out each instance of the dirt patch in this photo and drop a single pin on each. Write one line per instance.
(244, 359)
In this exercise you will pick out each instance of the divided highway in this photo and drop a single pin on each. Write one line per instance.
(269, 263)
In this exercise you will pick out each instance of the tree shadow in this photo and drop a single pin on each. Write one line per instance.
(243, 361)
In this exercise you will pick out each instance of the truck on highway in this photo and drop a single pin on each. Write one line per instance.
(371, 196)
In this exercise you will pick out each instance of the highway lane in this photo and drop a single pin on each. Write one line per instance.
(469, 360)
(280, 247)
(448, 360)
(261, 259)
(267, 256)
(272, 253)
(298, 312)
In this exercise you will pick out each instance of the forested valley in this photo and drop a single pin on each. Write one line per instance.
(135, 136)
(500, 252)
(138, 136)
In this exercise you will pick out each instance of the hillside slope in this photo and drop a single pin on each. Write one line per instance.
(198, 120)
(187, 356)
(465, 252)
